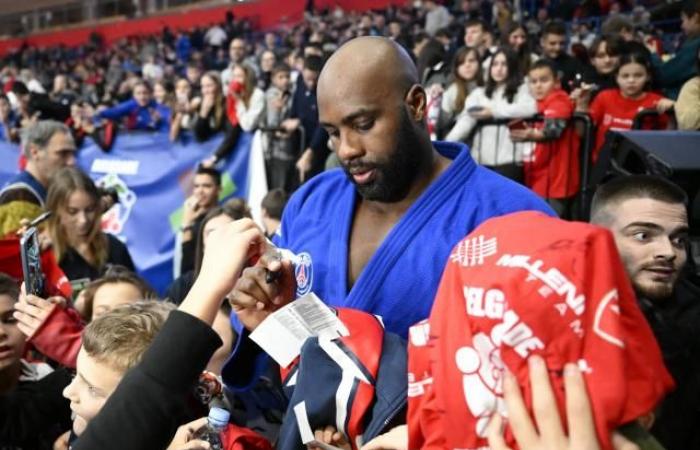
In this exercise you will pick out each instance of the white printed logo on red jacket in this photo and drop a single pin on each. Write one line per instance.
(606, 323)
(482, 371)
(472, 252)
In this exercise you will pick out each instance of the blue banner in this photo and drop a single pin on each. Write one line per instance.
(153, 177)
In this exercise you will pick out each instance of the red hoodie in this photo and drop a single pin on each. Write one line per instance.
(554, 169)
(553, 288)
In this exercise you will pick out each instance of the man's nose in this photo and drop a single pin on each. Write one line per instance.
(348, 147)
(665, 249)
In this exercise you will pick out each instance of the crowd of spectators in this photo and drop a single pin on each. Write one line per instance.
(230, 78)
(110, 366)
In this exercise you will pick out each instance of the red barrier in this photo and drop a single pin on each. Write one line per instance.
(264, 14)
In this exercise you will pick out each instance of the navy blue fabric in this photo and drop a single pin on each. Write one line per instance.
(318, 378)
(27, 179)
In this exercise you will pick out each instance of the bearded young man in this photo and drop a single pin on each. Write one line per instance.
(649, 221)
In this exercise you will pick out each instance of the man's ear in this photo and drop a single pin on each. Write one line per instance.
(33, 152)
(417, 102)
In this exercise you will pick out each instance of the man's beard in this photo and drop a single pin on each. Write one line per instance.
(395, 175)
(655, 292)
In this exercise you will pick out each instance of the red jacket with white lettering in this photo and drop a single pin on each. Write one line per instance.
(528, 284)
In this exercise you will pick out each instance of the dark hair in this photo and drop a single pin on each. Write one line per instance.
(420, 37)
(9, 286)
(524, 52)
(690, 7)
(280, 67)
(545, 63)
(635, 186)
(215, 174)
(227, 209)
(514, 79)
(19, 88)
(431, 54)
(443, 32)
(462, 88)
(113, 275)
(313, 63)
(616, 25)
(641, 59)
(476, 22)
(143, 83)
(554, 27)
(613, 45)
(273, 203)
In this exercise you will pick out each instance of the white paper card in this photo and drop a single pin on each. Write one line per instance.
(283, 333)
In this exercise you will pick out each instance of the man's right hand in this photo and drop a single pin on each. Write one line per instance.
(252, 296)
(191, 211)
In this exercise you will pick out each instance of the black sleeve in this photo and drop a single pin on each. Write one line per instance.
(36, 411)
(231, 134)
(201, 129)
(119, 254)
(189, 248)
(187, 258)
(143, 412)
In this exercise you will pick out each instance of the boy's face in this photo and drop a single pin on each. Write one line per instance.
(94, 382)
(690, 24)
(111, 295)
(281, 81)
(553, 45)
(11, 338)
(542, 82)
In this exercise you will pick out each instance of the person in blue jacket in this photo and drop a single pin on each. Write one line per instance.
(375, 234)
(142, 112)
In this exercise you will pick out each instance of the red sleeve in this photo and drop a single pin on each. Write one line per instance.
(60, 336)
(659, 122)
(423, 419)
(559, 108)
(239, 438)
(597, 109)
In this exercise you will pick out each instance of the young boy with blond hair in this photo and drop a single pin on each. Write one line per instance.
(112, 344)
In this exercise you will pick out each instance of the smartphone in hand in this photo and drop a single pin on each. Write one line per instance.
(517, 124)
(31, 263)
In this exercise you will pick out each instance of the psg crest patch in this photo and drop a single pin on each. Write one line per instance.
(304, 273)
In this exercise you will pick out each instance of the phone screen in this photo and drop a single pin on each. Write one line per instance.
(31, 263)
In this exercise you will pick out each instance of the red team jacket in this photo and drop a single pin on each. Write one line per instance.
(561, 293)
(553, 171)
(611, 111)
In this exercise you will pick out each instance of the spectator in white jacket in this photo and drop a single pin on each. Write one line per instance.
(466, 76)
(505, 96)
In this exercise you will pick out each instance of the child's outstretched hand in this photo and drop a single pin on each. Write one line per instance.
(664, 105)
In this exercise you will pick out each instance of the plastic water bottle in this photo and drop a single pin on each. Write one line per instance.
(216, 424)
